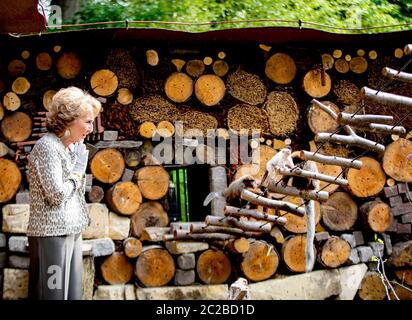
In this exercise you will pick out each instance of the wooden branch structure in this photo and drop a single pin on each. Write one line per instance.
(184, 235)
(298, 172)
(333, 160)
(389, 99)
(198, 228)
(397, 75)
(239, 212)
(362, 119)
(269, 203)
(233, 222)
(351, 139)
(320, 196)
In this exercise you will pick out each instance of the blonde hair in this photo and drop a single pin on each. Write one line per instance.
(67, 105)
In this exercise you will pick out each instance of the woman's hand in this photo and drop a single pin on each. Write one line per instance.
(82, 155)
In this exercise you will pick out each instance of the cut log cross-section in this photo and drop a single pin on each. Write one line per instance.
(132, 247)
(104, 82)
(317, 83)
(96, 194)
(117, 269)
(339, 212)
(293, 253)
(334, 252)
(209, 89)
(220, 68)
(16, 127)
(124, 197)
(320, 121)
(124, 96)
(47, 99)
(260, 262)
(69, 65)
(395, 161)
(179, 87)
(10, 179)
(280, 68)
(11, 101)
(213, 267)
(44, 61)
(155, 267)
(239, 245)
(153, 182)
(376, 215)
(195, 68)
(368, 181)
(149, 214)
(372, 287)
(21, 85)
(246, 87)
(107, 165)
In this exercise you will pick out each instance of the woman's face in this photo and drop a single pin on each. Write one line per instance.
(82, 126)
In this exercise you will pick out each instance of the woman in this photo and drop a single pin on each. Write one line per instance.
(58, 211)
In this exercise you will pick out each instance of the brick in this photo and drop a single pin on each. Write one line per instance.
(19, 262)
(373, 265)
(350, 238)
(401, 209)
(406, 218)
(358, 238)
(3, 259)
(404, 228)
(353, 257)
(23, 197)
(19, 244)
(395, 201)
(109, 135)
(393, 227)
(388, 243)
(127, 175)
(184, 277)
(377, 248)
(101, 247)
(3, 241)
(15, 284)
(186, 261)
(365, 253)
(390, 191)
(403, 187)
(320, 236)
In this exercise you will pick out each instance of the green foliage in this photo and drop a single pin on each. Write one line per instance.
(207, 15)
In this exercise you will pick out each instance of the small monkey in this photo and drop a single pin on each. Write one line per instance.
(233, 191)
(281, 160)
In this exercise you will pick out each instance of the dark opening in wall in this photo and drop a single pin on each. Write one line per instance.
(188, 188)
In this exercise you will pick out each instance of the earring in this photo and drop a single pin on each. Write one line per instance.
(67, 133)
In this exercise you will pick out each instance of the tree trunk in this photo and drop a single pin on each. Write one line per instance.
(368, 181)
(153, 182)
(376, 215)
(294, 223)
(124, 197)
(21, 85)
(179, 87)
(155, 267)
(11, 101)
(154, 234)
(260, 262)
(320, 121)
(68, 65)
(220, 68)
(293, 253)
(209, 89)
(44, 61)
(372, 287)
(10, 179)
(107, 165)
(280, 68)
(358, 65)
(334, 252)
(395, 161)
(401, 254)
(317, 83)
(240, 245)
(16, 68)
(132, 247)
(147, 129)
(149, 214)
(124, 96)
(116, 269)
(339, 212)
(213, 267)
(165, 129)
(16, 127)
(246, 87)
(96, 194)
(104, 82)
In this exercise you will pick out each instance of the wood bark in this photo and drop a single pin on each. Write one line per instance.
(10, 179)
(209, 89)
(293, 253)
(179, 87)
(153, 182)
(389, 99)
(254, 226)
(104, 82)
(206, 236)
(404, 276)
(292, 191)
(199, 228)
(280, 68)
(401, 255)
(213, 267)
(149, 214)
(116, 269)
(395, 160)
(333, 160)
(349, 118)
(339, 212)
(317, 83)
(260, 262)
(372, 287)
(107, 165)
(155, 267)
(16, 127)
(368, 181)
(69, 65)
(132, 247)
(238, 212)
(154, 234)
(298, 172)
(397, 75)
(124, 197)
(376, 215)
(334, 252)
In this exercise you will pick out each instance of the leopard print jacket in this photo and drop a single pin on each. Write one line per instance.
(57, 207)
